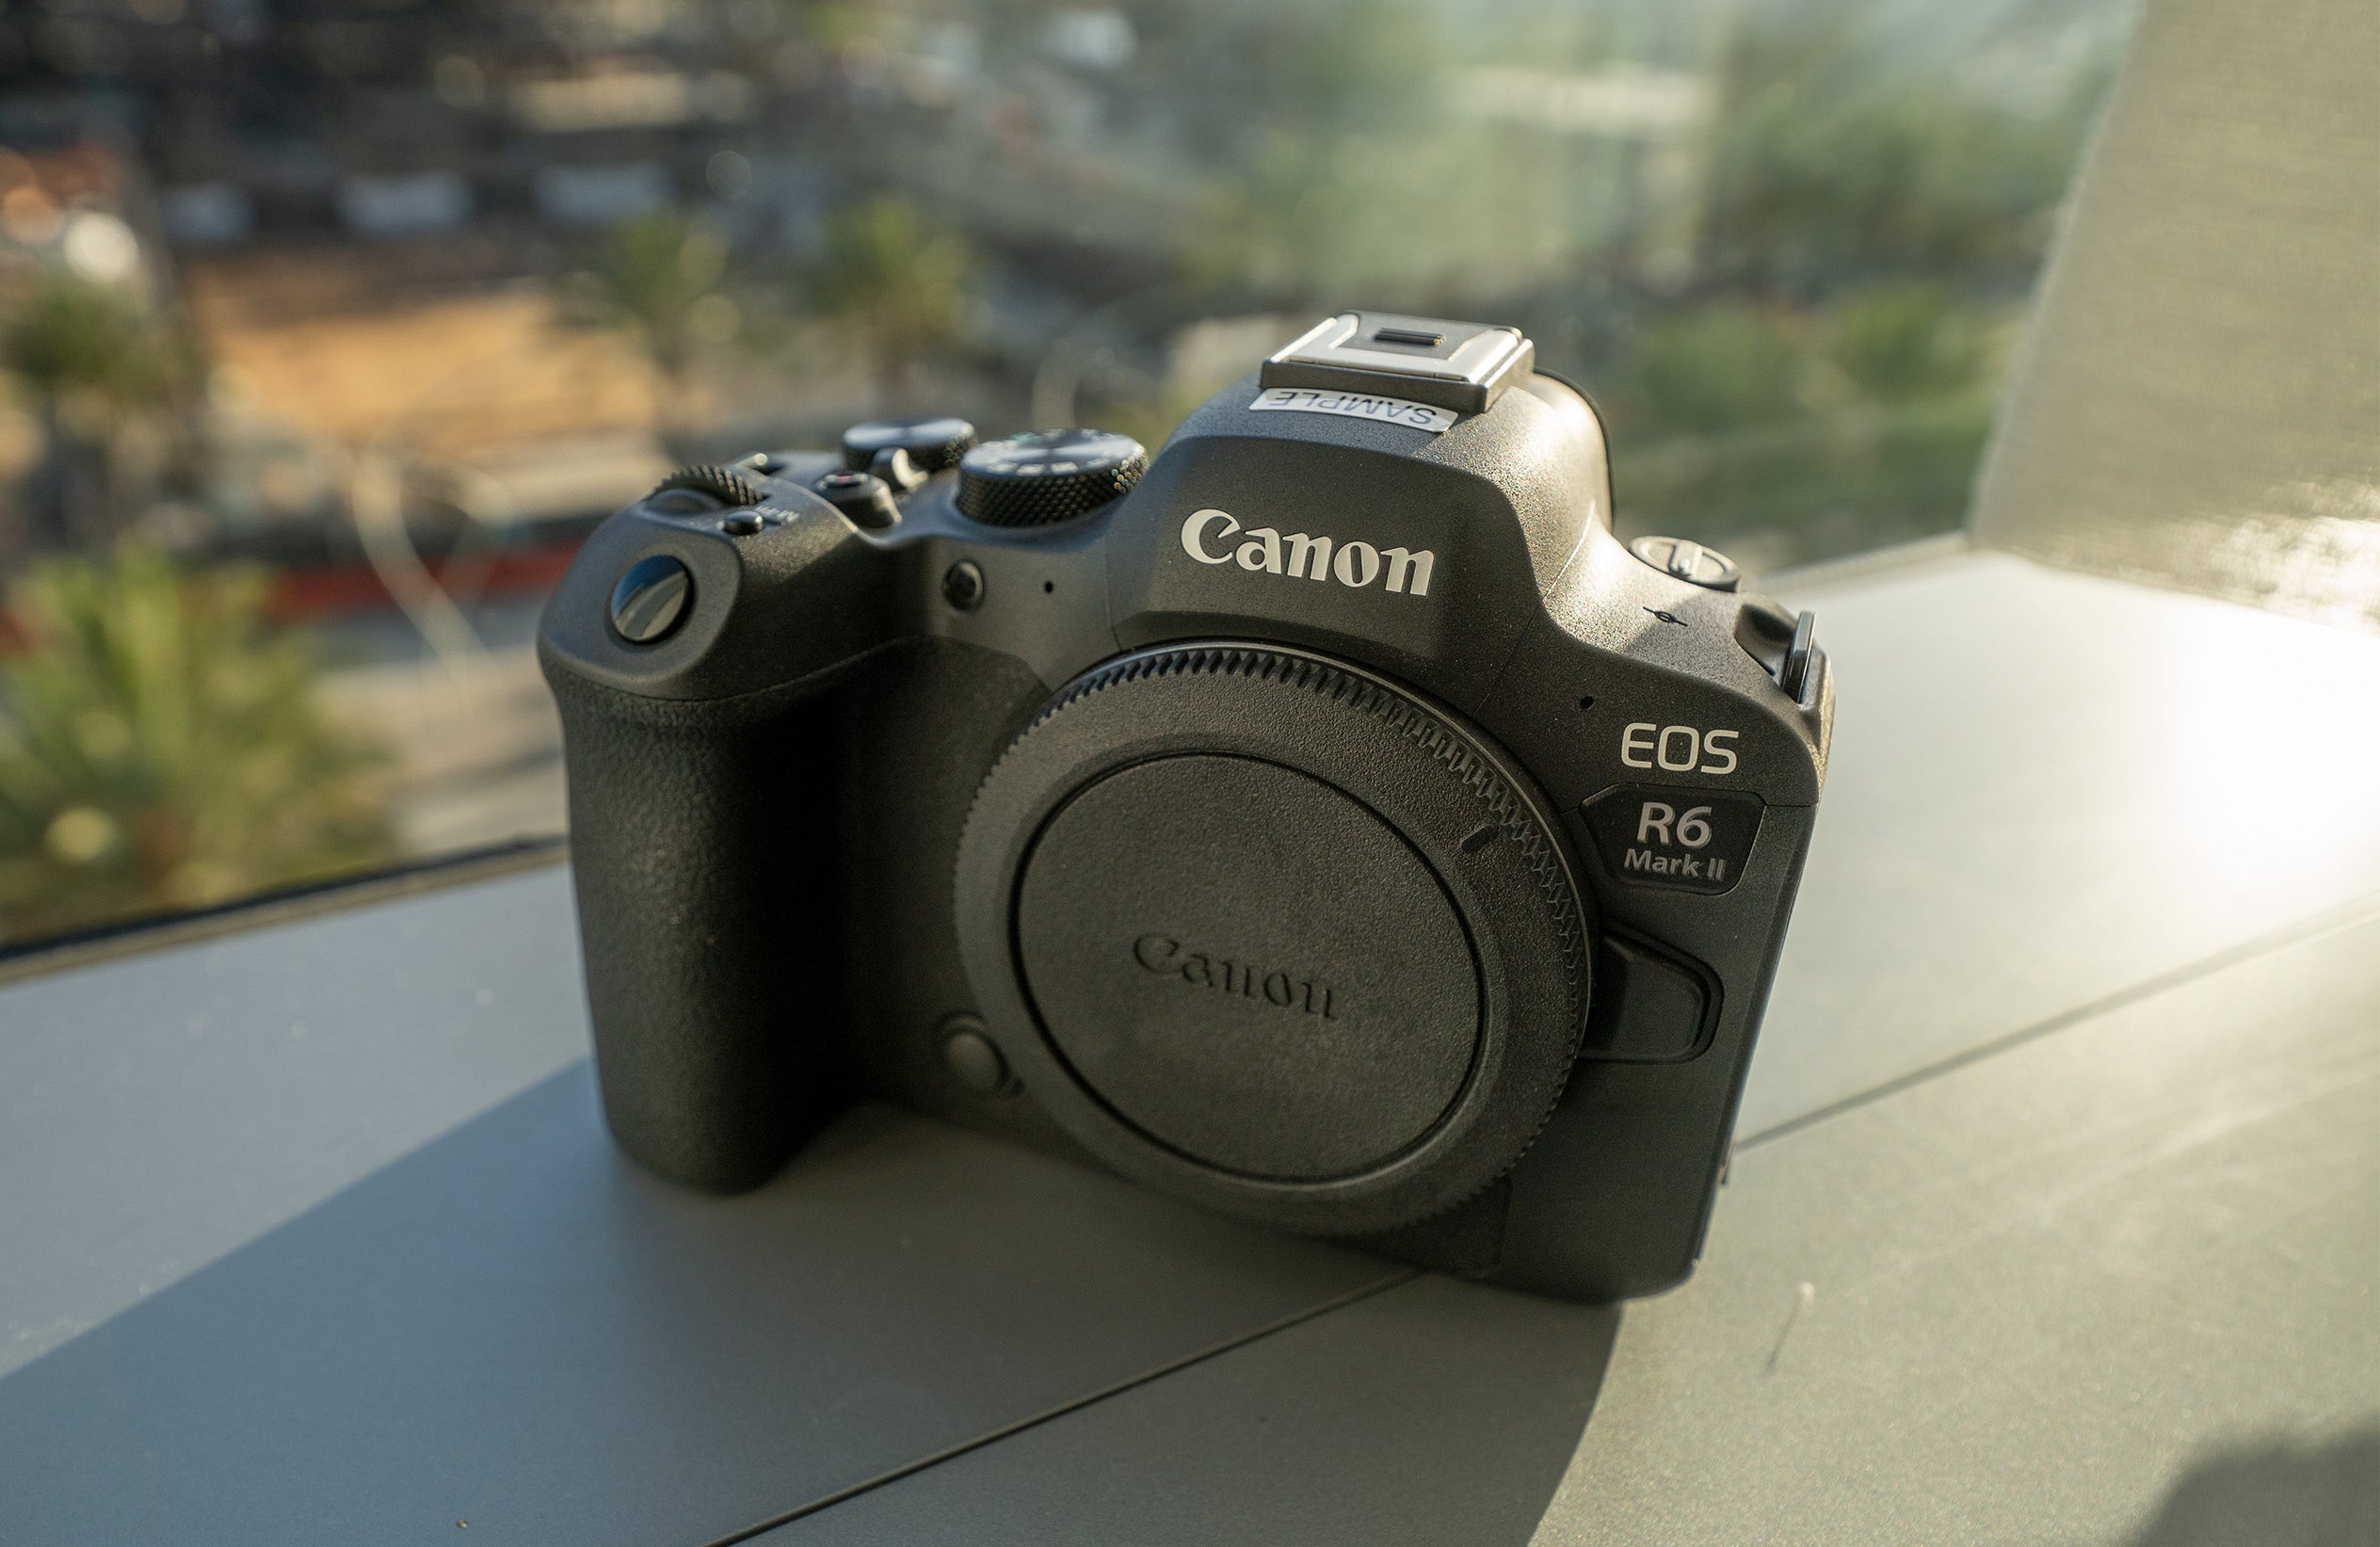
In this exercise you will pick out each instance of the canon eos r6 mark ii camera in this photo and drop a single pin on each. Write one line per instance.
(1328, 821)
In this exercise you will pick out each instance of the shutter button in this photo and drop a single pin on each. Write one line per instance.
(1689, 561)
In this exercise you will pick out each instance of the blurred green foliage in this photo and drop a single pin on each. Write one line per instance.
(895, 284)
(1902, 341)
(89, 348)
(1866, 238)
(1833, 164)
(92, 362)
(1718, 367)
(161, 747)
(1312, 109)
(1808, 430)
(659, 279)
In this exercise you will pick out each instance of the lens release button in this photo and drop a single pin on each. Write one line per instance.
(972, 1056)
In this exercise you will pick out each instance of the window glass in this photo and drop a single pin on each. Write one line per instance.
(330, 329)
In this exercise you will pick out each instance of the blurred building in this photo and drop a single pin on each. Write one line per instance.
(359, 209)
(318, 117)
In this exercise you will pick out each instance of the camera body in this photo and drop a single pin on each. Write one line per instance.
(1329, 822)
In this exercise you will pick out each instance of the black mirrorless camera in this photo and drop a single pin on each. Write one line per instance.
(1326, 821)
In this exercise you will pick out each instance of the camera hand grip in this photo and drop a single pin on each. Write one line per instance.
(702, 851)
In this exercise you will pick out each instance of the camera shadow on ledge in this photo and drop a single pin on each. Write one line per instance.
(916, 1334)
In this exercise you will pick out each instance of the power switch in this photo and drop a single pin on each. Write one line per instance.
(1690, 562)
(1650, 1008)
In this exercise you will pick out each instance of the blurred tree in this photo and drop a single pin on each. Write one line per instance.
(161, 747)
(1903, 340)
(658, 279)
(1829, 165)
(1718, 366)
(1341, 174)
(1796, 434)
(896, 284)
(91, 358)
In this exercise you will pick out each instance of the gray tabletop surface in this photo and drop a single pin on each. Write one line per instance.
(2055, 1213)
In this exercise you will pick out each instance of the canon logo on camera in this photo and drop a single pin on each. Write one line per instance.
(1263, 551)
(1165, 957)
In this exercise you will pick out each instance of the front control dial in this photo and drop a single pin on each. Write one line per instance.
(1045, 476)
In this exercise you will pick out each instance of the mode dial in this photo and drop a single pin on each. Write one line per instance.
(933, 444)
(1048, 476)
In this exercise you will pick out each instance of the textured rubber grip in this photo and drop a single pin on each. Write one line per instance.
(704, 856)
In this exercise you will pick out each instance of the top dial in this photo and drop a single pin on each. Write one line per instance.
(1046, 477)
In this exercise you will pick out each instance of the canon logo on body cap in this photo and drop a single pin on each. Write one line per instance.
(1264, 551)
(1165, 957)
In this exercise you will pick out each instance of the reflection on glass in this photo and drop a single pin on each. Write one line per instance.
(354, 320)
